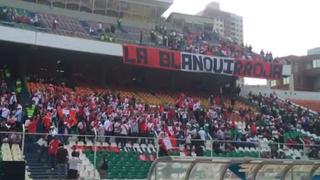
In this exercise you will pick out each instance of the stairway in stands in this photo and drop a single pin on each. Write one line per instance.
(39, 170)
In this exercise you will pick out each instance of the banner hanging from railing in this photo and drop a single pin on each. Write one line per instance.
(151, 57)
(199, 63)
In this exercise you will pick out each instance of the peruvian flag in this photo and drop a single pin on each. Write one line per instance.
(170, 141)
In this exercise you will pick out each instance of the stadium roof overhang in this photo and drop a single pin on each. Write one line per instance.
(162, 3)
(222, 168)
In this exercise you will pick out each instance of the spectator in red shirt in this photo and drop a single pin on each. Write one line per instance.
(32, 127)
(52, 150)
(143, 128)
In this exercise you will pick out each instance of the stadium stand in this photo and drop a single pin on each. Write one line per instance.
(63, 25)
(176, 39)
(132, 125)
(295, 137)
(251, 132)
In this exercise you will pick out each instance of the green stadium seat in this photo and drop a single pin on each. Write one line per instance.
(125, 165)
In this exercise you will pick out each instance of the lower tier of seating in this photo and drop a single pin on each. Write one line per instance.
(310, 104)
(122, 165)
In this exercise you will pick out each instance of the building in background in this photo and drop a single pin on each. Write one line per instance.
(314, 51)
(305, 74)
(194, 22)
(227, 25)
(231, 25)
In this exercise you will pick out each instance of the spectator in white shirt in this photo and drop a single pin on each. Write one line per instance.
(74, 161)
(36, 100)
(99, 27)
(124, 132)
(101, 133)
(202, 134)
(108, 127)
(5, 112)
(43, 147)
(18, 113)
(13, 100)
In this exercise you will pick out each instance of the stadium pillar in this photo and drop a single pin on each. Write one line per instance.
(291, 83)
(157, 145)
(255, 171)
(211, 144)
(286, 170)
(106, 10)
(189, 170)
(95, 152)
(313, 170)
(23, 138)
(223, 172)
(93, 6)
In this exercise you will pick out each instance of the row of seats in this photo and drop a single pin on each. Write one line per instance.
(67, 26)
(131, 162)
(308, 134)
(170, 97)
(6, 152)
(13, 154)
(123, 165)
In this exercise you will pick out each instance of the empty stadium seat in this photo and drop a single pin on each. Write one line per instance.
(128, 164)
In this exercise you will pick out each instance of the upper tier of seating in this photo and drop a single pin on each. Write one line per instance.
(177, 39)
(66, 26)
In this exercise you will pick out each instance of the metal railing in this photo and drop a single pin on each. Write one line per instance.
(97, 142)
(213, 145)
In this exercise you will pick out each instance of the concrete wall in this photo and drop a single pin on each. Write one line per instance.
(316, 85)
(304, 95)
(71, 13)
(60, 42)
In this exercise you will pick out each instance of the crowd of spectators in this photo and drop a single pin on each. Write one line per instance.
(204, 42)
(82, 110)
(19, 16)
(57, 109)
(106, 33)
(62, 110)
(11, 111)
(279, 117)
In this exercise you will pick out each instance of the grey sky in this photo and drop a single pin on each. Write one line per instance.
(283, 26)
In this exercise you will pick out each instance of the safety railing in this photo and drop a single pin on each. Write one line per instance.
(132, 156)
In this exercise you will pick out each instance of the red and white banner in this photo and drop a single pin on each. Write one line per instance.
(189, 62)
(151, 57)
